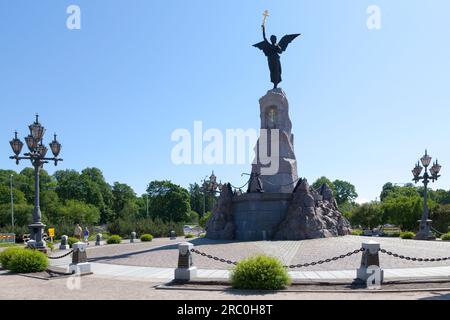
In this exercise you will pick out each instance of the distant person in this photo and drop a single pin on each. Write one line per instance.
(78, 231)
(86, 235)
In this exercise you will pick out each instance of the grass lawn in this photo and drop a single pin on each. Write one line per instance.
(7, 245)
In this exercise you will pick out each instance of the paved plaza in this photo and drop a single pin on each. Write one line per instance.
(163, 253)
(156, 261)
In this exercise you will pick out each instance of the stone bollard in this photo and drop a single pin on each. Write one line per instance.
(79, 263)
(186, 270)
(64, 245)
(98, 239)
(370, 258)
(173, 235)
(133, 237)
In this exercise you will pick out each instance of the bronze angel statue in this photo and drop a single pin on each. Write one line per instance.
(272, 50)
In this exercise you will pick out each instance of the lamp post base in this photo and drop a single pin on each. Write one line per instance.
(425, 231)
(36, 233)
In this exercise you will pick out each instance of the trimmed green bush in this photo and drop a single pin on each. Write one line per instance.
(446, 237)
(146, 238)
(6, 256)
(260, 273)
(407, 235)
(50, 245)
(393, 234)
(28, 261)
(72, 240)
(189, 236)
(202, 235)
(357, 232)
(114, 239)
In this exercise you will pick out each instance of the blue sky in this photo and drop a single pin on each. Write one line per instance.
(364, 103)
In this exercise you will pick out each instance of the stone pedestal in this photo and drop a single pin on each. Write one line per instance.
(425, 231)
(64, 243)
(275, 161)
(79, 263)
(186, 270)
(370, 258)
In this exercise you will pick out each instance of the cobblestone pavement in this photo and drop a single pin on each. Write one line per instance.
(164, 253)
(16, 287)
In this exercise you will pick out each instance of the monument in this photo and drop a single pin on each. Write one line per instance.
(278, 204)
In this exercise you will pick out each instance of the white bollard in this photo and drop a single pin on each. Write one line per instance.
(79, 264)
(64, 245)
(369, 260)
(186, 270)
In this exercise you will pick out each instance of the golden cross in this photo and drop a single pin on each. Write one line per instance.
(265, 14)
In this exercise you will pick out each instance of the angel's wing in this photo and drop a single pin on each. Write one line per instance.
(264, 46)
(284, 42)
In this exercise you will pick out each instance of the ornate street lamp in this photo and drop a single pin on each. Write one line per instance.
(210, 186)
(37, 155)
(425, 224)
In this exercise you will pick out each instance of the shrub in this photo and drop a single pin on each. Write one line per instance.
(446, 237)
(146, 238)
(72, 240)
(189, 236)
(260, 273)
(202, 235)
(407, 235)
(28, 261)
(357, 232)
(6, 256)
(50, 245)
(114, 239)
(156, 227)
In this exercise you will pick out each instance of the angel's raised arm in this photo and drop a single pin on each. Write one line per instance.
(264, 32)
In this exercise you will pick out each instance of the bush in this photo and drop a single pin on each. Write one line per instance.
(6, 256)
(156, 227)
(202, 235)
(146, 238)
(28, 261)
(260, 273)
(203, 220)
(50, 245)
(392, 234)
(446, 237)
(114, 239)
(72, 240)
(189, 236)
(407, 235)
(357, 232)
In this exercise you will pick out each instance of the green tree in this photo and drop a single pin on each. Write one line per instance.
(367, 215)
(122, 194)
(324, 180)
(200, 200)
(404, 211)
(74, 211)
(168, 201)
(441, 218)
(345, 192)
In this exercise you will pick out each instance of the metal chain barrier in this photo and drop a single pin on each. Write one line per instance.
(320, 262)
(395, 255)
(213, 258)
(298, 266)
(60, 257)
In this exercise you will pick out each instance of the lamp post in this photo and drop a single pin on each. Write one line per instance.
(425, 224)
(37, 155)
(12, 201)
